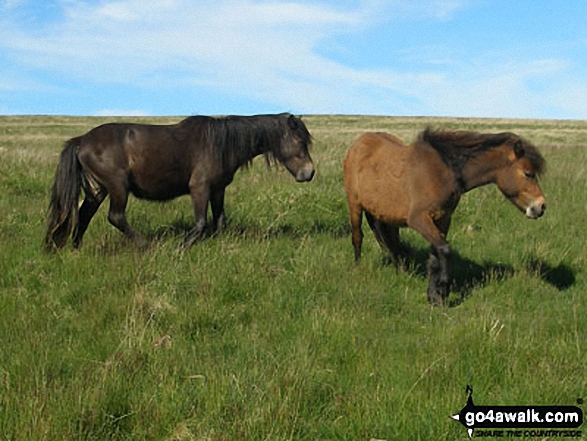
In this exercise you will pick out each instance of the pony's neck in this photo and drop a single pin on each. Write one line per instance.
(246, 156)
(261, 147)
(482, 170)
(254, 146)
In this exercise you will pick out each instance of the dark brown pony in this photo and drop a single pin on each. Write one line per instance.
(419, 186)
(198, 156)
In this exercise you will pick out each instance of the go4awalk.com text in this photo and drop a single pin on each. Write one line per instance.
(520, 421)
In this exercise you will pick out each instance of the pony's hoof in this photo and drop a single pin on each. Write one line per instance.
(140, 243)
(439, 301)
(436, 298)
(190, 241)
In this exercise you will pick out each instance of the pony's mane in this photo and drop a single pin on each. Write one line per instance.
(456, 148)
(237, 139)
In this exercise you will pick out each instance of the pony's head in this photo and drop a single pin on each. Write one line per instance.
(518, 179)
(294, 152)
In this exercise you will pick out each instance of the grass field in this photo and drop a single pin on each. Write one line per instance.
(268, 332)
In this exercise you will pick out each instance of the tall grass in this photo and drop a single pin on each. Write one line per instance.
(268, 331)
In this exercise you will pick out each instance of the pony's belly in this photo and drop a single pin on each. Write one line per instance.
(393, 219)
(386, 204)
(159, 193)
(158, 181)
(387, 211)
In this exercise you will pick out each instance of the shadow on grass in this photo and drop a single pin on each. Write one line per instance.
(289, 230)
(468, 275)
(177, 229)
(561, 276)
(181, 227)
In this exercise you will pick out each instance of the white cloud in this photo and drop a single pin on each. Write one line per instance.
(261, 50)
(268, 51)
(571, 99)
(12, 83)
(445, 8)
(11, 4)
(417, 9)
(179, 33)
(497, 89)
(119, 11)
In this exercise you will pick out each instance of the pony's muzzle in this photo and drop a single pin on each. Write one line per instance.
(536, 209)
(306, 173)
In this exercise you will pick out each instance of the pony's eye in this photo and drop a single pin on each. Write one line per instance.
(530, 175)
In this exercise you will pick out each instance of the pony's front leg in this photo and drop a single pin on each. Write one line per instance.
(439, 279)
(217, 203)
(438, 264)
(200, 195)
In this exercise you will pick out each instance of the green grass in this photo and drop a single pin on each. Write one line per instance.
(268, 332)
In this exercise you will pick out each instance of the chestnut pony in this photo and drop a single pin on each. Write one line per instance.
(198, 156)
(420, 185)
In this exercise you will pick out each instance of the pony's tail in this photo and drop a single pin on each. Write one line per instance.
(63, 208)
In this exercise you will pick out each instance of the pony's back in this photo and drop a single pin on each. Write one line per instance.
(372, 150)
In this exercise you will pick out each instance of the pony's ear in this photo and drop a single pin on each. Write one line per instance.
(519, 149)
(293, 122)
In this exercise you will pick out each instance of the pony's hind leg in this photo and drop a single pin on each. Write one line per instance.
(87, 211)
(373, 224)
(117, 216)
(387, 236)
(390, 236)
(357, 232)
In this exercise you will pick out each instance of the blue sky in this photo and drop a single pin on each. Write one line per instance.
(478, 58)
